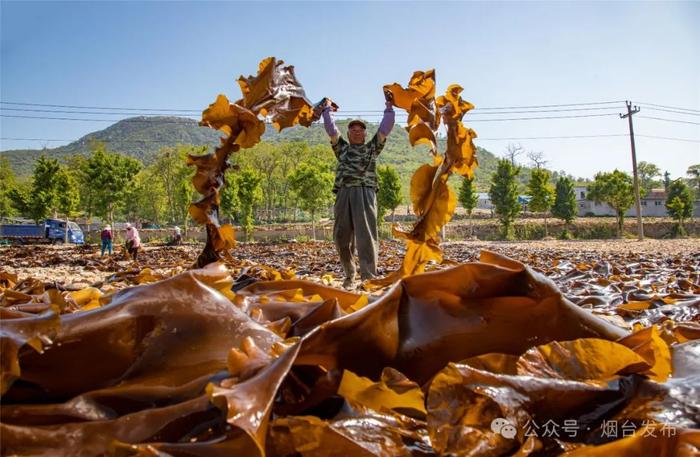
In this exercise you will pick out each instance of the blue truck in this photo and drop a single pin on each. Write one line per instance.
(52, 230)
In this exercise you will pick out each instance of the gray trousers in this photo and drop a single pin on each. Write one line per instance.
(356, 226)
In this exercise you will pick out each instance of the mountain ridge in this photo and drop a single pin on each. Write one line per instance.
(142, 137)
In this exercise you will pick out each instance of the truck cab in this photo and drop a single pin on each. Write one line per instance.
(55, 231)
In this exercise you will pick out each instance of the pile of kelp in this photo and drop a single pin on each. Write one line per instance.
(485, 358)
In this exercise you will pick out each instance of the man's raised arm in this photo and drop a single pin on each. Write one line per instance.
(329, 123)
(389, 116)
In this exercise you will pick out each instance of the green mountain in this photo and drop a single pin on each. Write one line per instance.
(138, 137)
(142, 137)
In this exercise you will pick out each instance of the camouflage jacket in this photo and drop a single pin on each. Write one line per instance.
(357, 163)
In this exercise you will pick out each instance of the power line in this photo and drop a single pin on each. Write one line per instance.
(670, 107)
(552, 137)
(32, 139)
(199, 110)
(469, 121)
(87, 112)
(555, 106)
(73, 141)
(474, 111)
(690, 140)
(354, 112)
(101, 107)
(98, 120)
(340, 112)
(671, 111)
(670, 120)
(182, 117)
(543, 111)
(605, 135)
(478, 139)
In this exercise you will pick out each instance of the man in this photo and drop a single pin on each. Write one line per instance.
(356, 191)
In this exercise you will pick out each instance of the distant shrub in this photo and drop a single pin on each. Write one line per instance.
(566, 235)
(596, 232)
(529, 231)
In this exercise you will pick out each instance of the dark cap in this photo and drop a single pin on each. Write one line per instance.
(357, 122)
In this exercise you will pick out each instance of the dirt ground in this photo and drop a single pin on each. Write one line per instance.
(81, 266)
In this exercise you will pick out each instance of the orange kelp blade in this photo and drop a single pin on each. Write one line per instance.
(276, 92)
(427, 320)
(433, 201)
(273, 92)
(421, 86)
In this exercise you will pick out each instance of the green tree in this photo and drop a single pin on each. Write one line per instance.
(667, 181)
(469, 198)
(679, 203)
(86, 190)
(647, 172)
(110, 175)
(265, 158)
(184, 194)
(504, 195)
(170, 168)
(68, 197)
(616, 190)
(322, 154)
(389, 193)
(249, 195)
(146, 198)
(276, 162)
(542, 193)
(313, 186)
(43, 199)
(693, 173)
(564, 207)
(230, 203)
(291, 155)
(20, 195)
(7, 185)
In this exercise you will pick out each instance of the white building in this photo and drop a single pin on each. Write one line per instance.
(653, 205)
(484, 201)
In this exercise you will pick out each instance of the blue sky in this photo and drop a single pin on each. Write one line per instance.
(180, 55)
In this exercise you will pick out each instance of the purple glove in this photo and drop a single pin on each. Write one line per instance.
(388, 120)
(328, 122)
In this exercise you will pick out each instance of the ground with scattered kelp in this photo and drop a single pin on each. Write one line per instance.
(584, 348)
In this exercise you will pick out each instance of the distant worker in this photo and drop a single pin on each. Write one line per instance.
(133, 242)
(356, 191)
(106, 237)
(177, 237)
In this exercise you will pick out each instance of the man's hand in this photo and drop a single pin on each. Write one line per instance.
(388, 96)
(328, 103)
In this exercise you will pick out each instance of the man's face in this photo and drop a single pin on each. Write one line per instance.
(356, 134)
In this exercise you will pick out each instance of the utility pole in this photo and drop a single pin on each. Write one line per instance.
(637, 199)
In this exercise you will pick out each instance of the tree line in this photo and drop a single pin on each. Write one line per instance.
(272, 182)
(559, 199)
(292, 181)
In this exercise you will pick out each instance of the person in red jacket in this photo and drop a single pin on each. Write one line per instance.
(106, 237)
